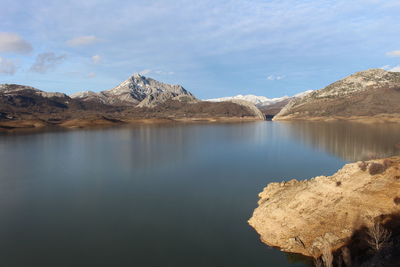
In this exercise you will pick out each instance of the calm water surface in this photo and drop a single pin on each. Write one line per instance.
(172, 195)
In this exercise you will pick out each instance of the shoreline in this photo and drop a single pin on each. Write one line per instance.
(95, 123)
(380, 118)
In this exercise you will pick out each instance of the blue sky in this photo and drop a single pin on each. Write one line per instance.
(213, 48)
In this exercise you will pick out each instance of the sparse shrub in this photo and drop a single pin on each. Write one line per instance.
(376, 168)
(363, 166)
(338, 183)
(397, 177)
(378, 236)
(396, 200)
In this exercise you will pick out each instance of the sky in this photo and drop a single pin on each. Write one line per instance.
(213, 48)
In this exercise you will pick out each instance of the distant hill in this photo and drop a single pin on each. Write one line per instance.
(371, 93)
(256, 100)
(268, 106)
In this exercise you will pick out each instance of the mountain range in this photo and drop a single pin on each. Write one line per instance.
(136, 99)
(372, 94)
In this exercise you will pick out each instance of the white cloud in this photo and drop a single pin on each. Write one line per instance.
(12, 42)
(96, 59)
(83, 40)
(7, 66)
(395, 53)
(275, 77)
(164, 72)
(46, 61)
(159, 72)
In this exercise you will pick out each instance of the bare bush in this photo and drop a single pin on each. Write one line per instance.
(363, 166)
(376, 168)
(378, 236)
(346, 256)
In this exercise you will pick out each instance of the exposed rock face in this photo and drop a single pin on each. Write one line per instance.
(135, 90)
(301, 216)
(157, 98)
(367, 93)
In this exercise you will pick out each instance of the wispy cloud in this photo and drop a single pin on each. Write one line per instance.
(12, 42)
(391, 68)
(275, 77)
(91, 75)
(96, 59)
(395, 69)
(395, 53)
(197, 39)
(47, 61)
(7, 66)
(83, 40)
(159, 72)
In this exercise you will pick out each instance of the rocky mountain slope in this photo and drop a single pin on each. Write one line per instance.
(134, 91)
(365, 94)
(307, 216)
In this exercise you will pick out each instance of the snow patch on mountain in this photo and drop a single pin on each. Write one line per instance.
(259, 101)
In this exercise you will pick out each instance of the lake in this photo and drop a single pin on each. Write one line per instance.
(162, 195)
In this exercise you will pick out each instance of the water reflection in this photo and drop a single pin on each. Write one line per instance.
(181, 192)
(347, 140)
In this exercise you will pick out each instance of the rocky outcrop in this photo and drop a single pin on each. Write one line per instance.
(374, 92)
(303, 216)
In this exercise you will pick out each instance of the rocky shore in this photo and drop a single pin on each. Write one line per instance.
(328, 211)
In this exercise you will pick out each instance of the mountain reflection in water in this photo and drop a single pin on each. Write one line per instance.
(349, 141)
